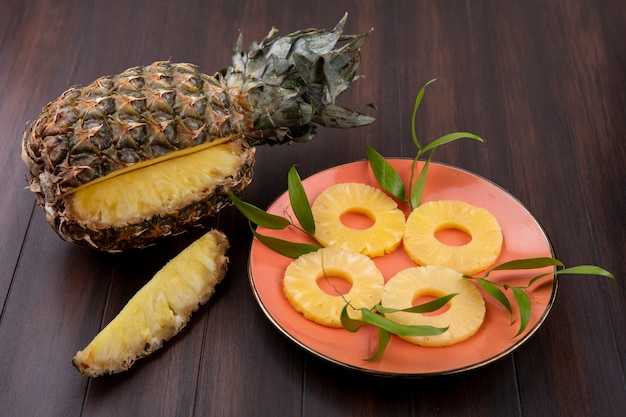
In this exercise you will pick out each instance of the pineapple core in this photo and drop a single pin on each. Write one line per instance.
(168, 185)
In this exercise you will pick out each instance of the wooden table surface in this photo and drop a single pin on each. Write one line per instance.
(543, 82)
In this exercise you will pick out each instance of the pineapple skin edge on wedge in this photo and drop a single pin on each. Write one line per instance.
(136, 121)
(159, 310)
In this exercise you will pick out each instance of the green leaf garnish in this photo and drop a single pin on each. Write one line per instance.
(585, 270)
(418, 101)
(529, 263)
(450, 137)
(495, 292)
(258, 216)
(385, 174)
(299, 201)
(399, 329)
(523, 304)
(520, 293)
(428, 307)
(348, 323)
(417, 190)
(285, 247)
(383, 340)
(386, 327)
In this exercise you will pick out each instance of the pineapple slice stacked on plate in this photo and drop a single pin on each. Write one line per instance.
(168, 122)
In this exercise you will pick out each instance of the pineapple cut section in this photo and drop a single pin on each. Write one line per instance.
(130, 196)
(159, 310)
(463, 318)
(423, 247)
(383, 236)
(124, 121)
(300, 284)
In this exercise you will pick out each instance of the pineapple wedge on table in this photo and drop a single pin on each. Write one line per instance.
(151, 123)
(159, 310)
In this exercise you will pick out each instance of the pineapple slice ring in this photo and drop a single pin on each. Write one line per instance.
(464, 317)
(300, 284)
(384, 236)
(423, 247)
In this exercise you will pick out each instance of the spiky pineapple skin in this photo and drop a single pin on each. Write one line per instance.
(119, 121)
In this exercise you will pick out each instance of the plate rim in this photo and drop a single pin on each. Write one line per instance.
(452, 371)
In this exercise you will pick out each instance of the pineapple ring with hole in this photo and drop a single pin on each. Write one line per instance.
(300, 284)
(464, 316)
(383, 236)
(423, 247)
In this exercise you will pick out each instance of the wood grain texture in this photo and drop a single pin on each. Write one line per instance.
(543, 82)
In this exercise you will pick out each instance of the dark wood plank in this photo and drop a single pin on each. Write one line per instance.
(51, 304)
(22, 94)
(543, 173)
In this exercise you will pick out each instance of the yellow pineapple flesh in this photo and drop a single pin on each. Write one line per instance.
(383, 236)
(159, 310)
(301, 287)
(167, 185)
(423, 247)
(463, 318)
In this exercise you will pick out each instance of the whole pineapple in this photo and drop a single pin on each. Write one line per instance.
(100, 156)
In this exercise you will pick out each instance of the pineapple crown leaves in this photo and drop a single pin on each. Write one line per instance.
(293, 81)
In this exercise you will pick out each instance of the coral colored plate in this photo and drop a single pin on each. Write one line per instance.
(523, 238)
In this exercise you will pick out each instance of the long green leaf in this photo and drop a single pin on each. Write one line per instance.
(450, 137)
(585, 270)
(523, 304)
(348, 323)
(495, 292)
(285, 247)
(428, 307)
(528, 263)
(399, 329)
(385, 174)
(383, 340)
(417, 190)
(258, 216)
(577, 270)
(418, 101)
(299, 201)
